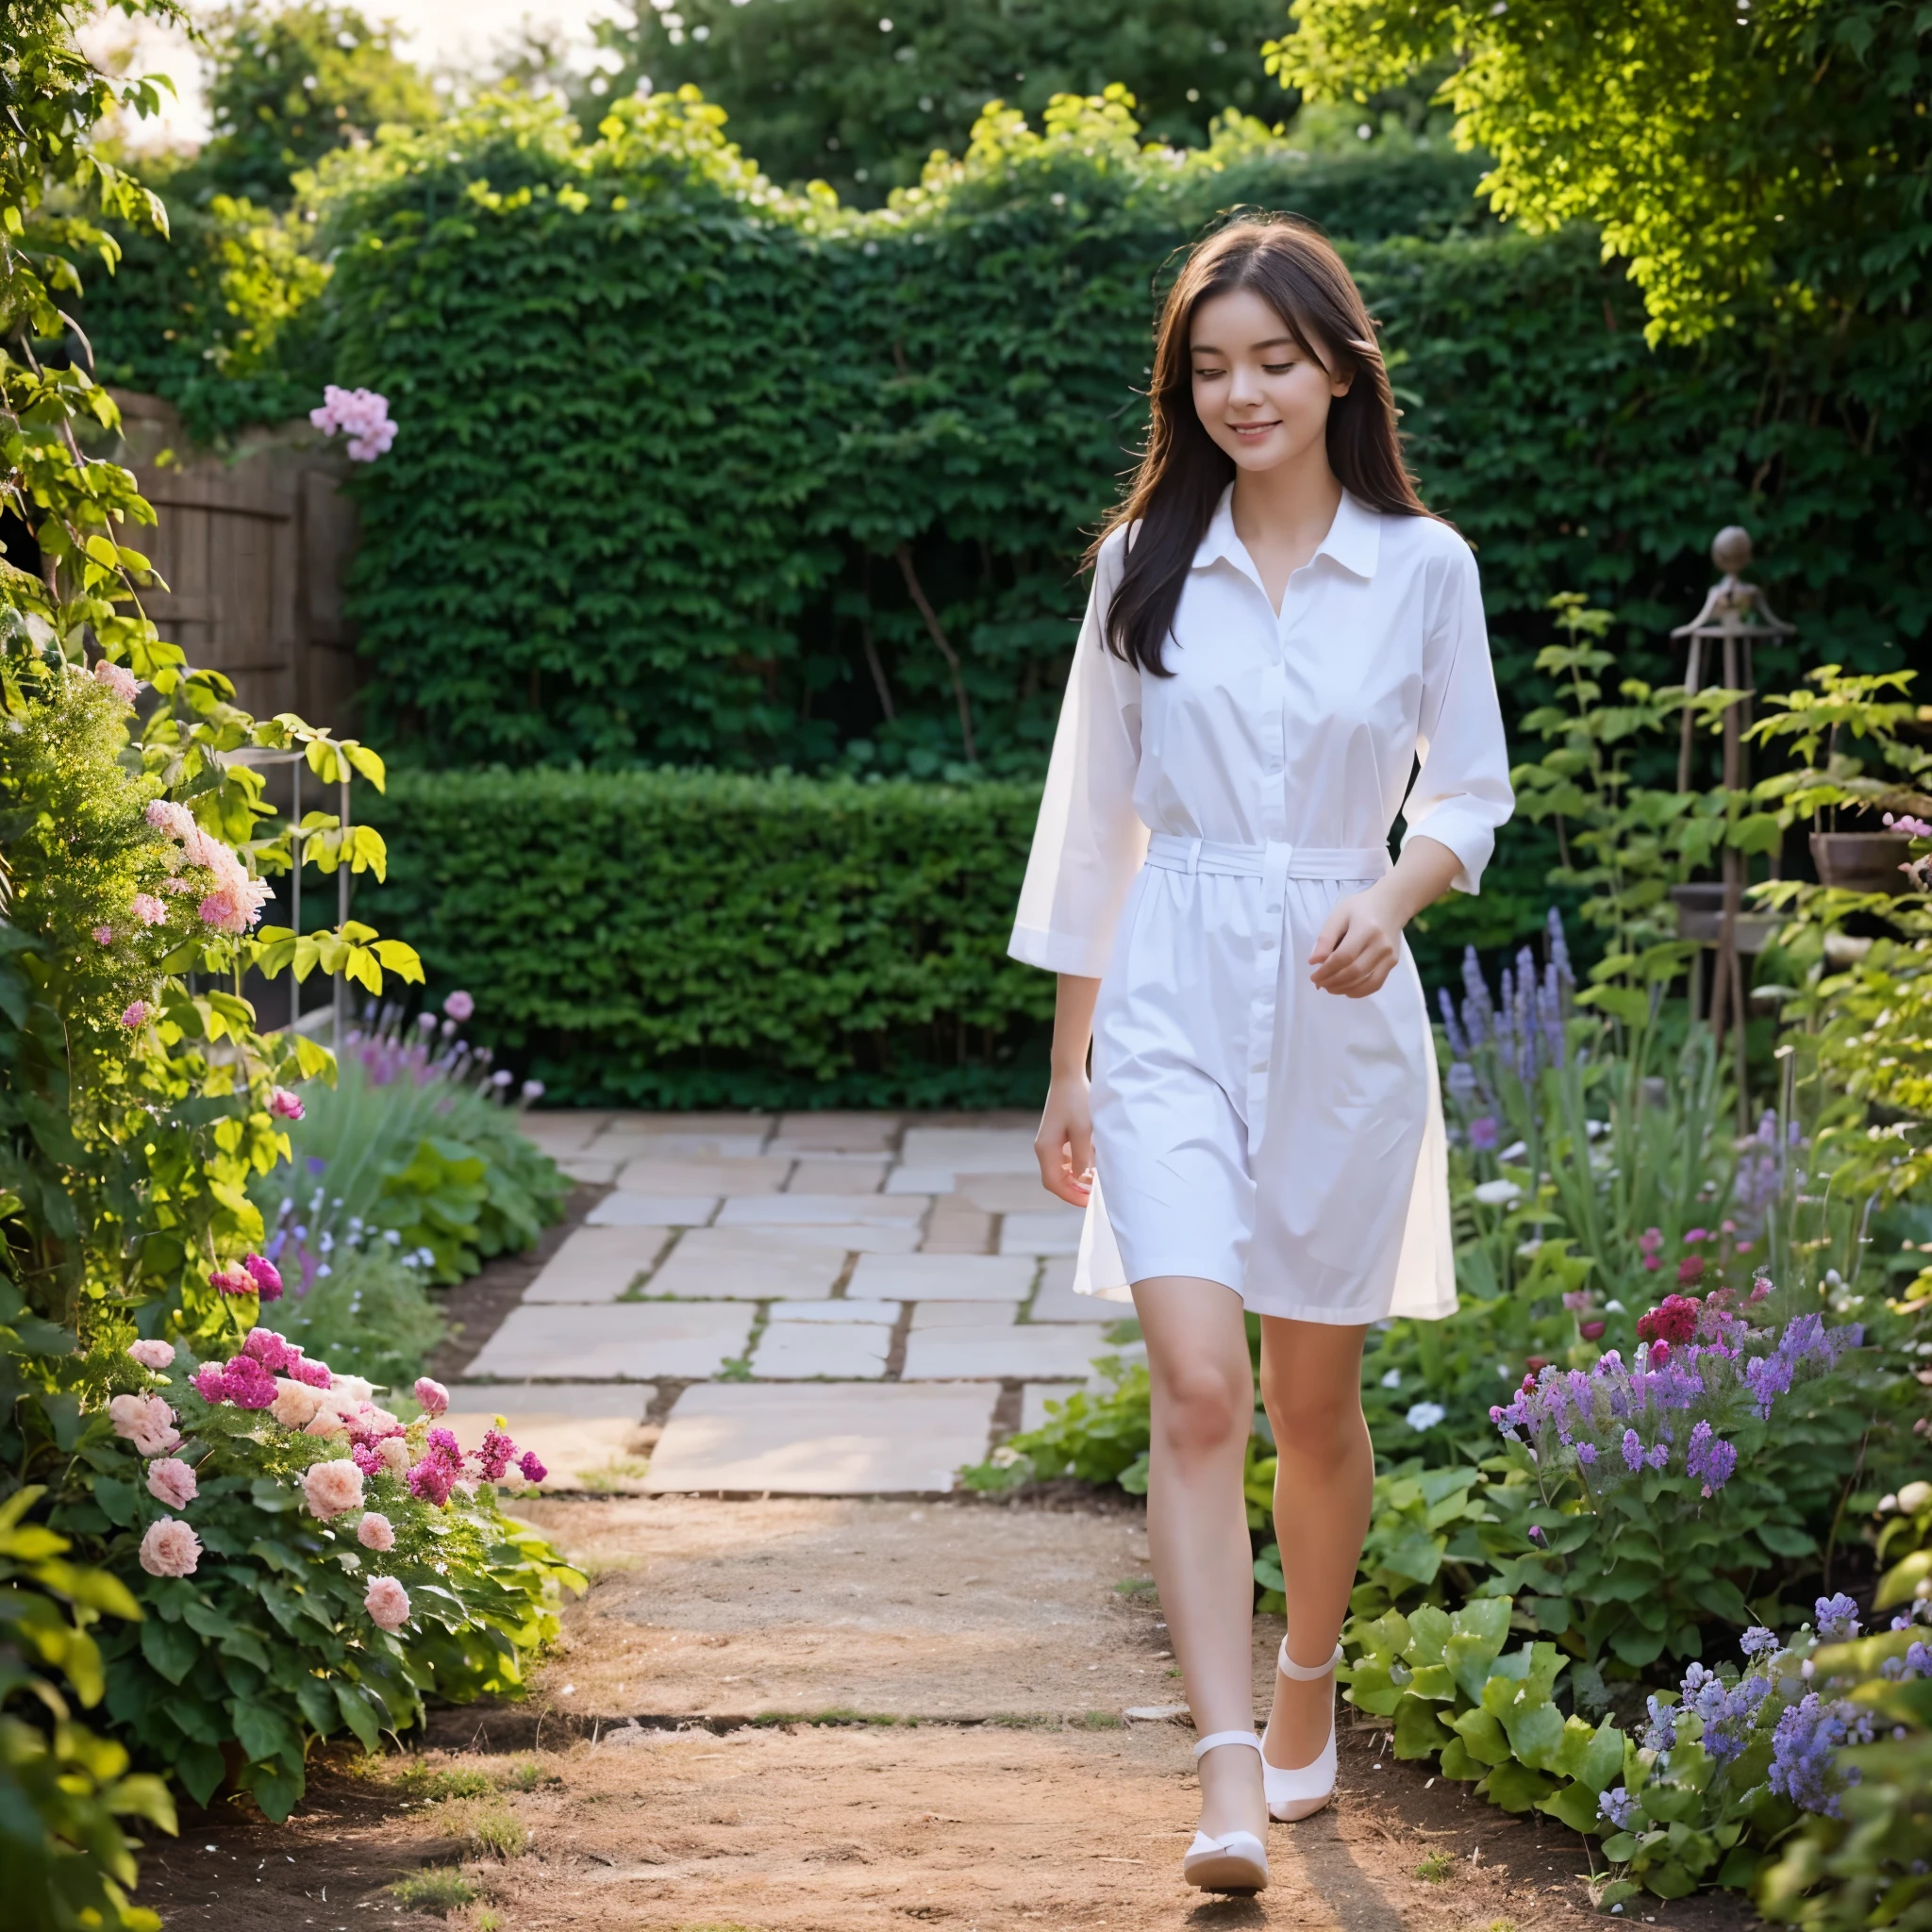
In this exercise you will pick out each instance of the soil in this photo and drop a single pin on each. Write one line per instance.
(837, 1715)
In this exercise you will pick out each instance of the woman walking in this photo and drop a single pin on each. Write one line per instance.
(1280, 638)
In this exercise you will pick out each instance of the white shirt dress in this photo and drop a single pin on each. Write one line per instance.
(1249, 1129)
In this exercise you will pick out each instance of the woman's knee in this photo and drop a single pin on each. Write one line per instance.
(1314, 1417)
(1201, 1410)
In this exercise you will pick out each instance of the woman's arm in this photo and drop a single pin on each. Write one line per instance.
(1065, 1141)
(1361, 938)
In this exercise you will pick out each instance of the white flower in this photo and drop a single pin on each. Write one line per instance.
(1595, 1128)
(1392, 1379)
(1515, 1151)
(1426, 1415)
(1498, 1193)
(1613, 1308)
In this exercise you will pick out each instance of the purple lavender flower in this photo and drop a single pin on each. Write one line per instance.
(1804, 1752)
(1838, 1618)
(1660, 1734)
(1726, 1711)
(1709, 1460)
(1758, 1642)
(1586, 1453)
(1616, 1807)
(1633, 1449)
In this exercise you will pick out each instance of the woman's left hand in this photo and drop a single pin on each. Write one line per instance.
(1360, 941)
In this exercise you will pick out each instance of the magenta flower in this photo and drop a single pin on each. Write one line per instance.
(432, 1395)
(231, 1280)
(147, 909)
(315, 1374)
(496, 1455)
(266, 1276)
(284, 1105)
(117, 680)
(270, 1350)
(459, 1007)
(533, 1469)
(247, 1384)
(431, 1480)
(210, 1384)
(136, 1014)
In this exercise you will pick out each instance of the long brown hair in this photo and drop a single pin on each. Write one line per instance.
(1184, 471)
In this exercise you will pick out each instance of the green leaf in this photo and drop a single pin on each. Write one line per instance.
(1575, 1806)
(171, 1648)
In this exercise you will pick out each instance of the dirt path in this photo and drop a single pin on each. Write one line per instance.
(836, 1715)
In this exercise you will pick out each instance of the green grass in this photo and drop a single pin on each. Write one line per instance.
(434, 1786)
(491, 1829)
(1098, 1721)
(529, 1777)
(1135, 1586)
(440, 1893)
(1436, 1867)
(834, 1716)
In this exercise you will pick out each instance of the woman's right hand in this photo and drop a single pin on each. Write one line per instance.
(1064, 1144)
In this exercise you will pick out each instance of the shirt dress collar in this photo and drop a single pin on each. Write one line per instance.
(1354, 538)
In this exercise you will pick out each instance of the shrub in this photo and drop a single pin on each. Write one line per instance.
(690, 938)
(369, 1315)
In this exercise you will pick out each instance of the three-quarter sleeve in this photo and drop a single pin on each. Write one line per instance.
(1088, 841)
(1462, 795)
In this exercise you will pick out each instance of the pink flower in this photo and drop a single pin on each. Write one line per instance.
(146, 1421)
(270, 1349)
(170, 1548)
(147, 909)
(387, 1603)
(324, 1424)
(375, 1532)
(315, 1374)
(284, 1105)
(361, 415)
(329, 1488)
(432, 1395)
(365, 1458)
(171, 1481)
(533, 1469)
(395, 1455)
(1697, 1234)
(136, 1014)
(296, 1404)
(176, 886)
(231, 1280)
(247, 1384)
(1592, 1331)
(1689, 1269)
(103, 935)
(164, 815)
(431, 1479)
(1911, 827)
(210, 1384)
(117, 680)
(1760, 1288)
(496, 1455)
(152, 1354)
(459, 1007)
(266, 1276)
(1653, 1262)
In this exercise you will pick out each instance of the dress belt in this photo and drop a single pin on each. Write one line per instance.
(1273, 864)
(1277, 858)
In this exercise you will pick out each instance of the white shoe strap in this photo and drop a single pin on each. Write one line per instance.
(1305, 1674)
(1214, 1738)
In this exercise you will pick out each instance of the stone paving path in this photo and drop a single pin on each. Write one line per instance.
(810, 1304)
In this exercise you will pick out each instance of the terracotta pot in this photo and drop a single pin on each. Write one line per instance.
(1701, 917)
(1862, 861)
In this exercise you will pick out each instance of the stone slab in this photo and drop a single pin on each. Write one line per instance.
(654, 1174)
(620, 1208)
(636, 1120)
(821, 1210)
(837, 1174)
(1033, 1398)
(1009, 1193)
(963, 1315)
(561, 1133)
(1057, 1302)
(920, 1180)
(944, 1278)
(822, 1439)
(882, 1237)
(1057, 1233)
(597, 1264)
(636, 1341)
(592, 1400)
(970, 1150)
(840, 1133)
(842, 1310)
(846, 1350)
(594, 1169)
(772, 1274)
(1044, 1352)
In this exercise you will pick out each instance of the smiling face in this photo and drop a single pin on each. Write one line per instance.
(1259, 395)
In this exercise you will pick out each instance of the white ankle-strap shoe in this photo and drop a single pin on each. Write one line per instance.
(1236, 1860)
(1304, 1791)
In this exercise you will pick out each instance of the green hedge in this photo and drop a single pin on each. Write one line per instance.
(675, 939)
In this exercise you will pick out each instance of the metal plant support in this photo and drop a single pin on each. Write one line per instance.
(1735, 616)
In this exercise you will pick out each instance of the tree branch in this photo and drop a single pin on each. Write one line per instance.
(936, 631)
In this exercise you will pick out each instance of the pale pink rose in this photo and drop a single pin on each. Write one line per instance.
(374, 1532)
(387, 1603)
(329, 1488)
(351, 1388)
(394, 1453)
(171, 1481)
(170, 1548)
(284, 1104)
(325, 1424)
(296, 1404)
(117, 680)
(152, 1354)
(432, 1395)
(136, 1014)
(147, 909)
(146, 1421)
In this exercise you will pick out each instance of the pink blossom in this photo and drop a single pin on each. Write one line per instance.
(361, 415)
(533, 1469)
(266, 1276)
(284, 1105)
(210, 1384)
(496, 1455)
(459, 1006)
(432, 1395)
(365, 1458)
(395, 1455)
(324, 1424)
(146, 1421)
(170, 1548)
(117, 680)
(375, 1532)
(147, 909)
(430, 1481)
(231, 1280)
(270, 1349)
(176, 886)
(296, 1404)
(387, 1603)
(329, 1488)
(164, 815)
(247, 1384)
(152, 1354)
(1911, 827)
(103, 935)
(171, 1481)
(315, 1374)
(136, 1014)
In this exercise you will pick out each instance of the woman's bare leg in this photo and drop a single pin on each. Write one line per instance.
(1197, 1524)
(1324, 1487)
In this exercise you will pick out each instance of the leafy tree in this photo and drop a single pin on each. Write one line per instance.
(858, 93)
(288, 85)
(1728, 149)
